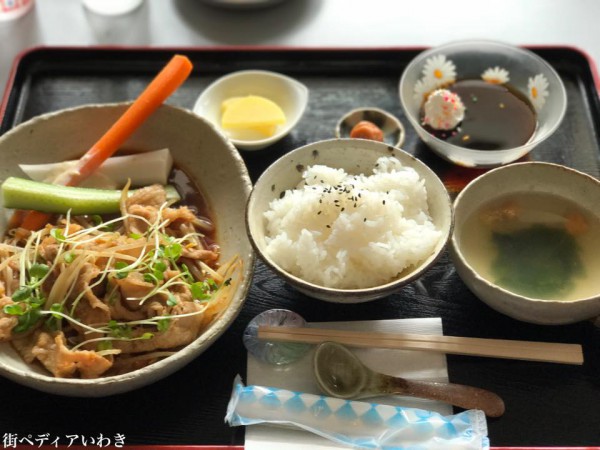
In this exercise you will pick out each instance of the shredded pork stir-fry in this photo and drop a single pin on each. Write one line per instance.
(89, 298)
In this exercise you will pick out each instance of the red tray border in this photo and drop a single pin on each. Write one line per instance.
(11, 79)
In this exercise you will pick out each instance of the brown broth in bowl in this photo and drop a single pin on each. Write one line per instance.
(497, 117)
(192, 197)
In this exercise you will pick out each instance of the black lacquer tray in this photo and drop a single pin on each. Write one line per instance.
(547, 404)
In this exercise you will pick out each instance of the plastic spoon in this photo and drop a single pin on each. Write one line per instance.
(341, 374)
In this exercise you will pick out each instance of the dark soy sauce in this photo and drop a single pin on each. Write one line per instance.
(497, 117)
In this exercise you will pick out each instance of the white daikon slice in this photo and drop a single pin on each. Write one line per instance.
(142, 168)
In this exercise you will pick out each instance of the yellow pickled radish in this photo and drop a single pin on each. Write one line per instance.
(267, 130)
(252, 113)
(228, 102)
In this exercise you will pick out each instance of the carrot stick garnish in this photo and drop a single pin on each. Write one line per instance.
(161, 87)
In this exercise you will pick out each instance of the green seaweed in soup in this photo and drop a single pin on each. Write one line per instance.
(535, 244)
(539, 261)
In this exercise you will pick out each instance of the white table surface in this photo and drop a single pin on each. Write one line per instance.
(306, 23)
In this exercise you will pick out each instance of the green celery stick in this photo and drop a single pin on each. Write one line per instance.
(20, 193)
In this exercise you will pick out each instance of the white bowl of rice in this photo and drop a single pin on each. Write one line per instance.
(349, 220)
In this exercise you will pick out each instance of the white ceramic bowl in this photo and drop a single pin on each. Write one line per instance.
(471, 59)
(392, 128)
(519, 177)
(289, 94)
(208, 158)
(354, 156)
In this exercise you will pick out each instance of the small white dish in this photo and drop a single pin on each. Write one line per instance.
(289, 94)
(392, 128)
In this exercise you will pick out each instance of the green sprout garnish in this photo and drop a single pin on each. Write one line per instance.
(173, 251)
(120, 330)
(55, 320)
(121, 272)
(163, 324)
(171, 300)
(14, 309)
(157, 261)
(27, 320)
(57, 233)
(38, 271)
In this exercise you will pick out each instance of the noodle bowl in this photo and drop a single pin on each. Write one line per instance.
(147, 266)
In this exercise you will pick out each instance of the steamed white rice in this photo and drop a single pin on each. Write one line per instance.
(352, 231)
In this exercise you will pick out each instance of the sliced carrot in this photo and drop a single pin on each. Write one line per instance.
(161, 87)
(34, 220)
(16, 219)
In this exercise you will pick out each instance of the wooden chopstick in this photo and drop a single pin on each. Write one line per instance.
(494, 348)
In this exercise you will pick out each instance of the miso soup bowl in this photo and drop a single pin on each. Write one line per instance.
(209, 160)
(355, 156)
(471, 59)
(555, 179)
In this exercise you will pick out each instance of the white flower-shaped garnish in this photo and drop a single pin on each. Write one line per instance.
(495, 75)
(537, 90)
(440, 70)
(444, 110)
(423, 88)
